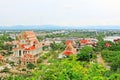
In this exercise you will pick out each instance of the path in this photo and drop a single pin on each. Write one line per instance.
(100, 60)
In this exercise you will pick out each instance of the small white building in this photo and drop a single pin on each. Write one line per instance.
(111, 38)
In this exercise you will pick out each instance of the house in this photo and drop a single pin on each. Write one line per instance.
(28, 44)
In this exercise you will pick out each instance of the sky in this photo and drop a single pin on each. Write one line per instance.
(60, 12)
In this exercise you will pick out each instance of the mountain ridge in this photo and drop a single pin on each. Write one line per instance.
(54, 27)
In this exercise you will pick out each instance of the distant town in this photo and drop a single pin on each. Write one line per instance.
(37, 53)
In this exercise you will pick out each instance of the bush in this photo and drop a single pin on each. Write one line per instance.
(23, 69)
(30, 66)
(94, 56)
(39, 60)
(5, 70)
(84, 54)
(12, 63)
(51, 60)
(44, 56)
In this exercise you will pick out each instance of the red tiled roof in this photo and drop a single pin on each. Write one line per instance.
(30, 35)
(69, 41)
(86, 41)
(107, 44)
(68, 52)
(22, 46)
(30, 48)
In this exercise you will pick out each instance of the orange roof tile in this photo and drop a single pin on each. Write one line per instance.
(69, 41)
(68, 52)
(30, 35)
(30, 48)
(22, 45)
(85, 41)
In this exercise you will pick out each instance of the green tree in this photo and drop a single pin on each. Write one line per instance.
(85, 53)
(115, 66)
(30, 66)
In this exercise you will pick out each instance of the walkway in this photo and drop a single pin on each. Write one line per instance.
(100, 60)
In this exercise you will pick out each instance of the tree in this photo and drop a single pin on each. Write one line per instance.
(68, 69)
(30, 66)
(85, 53)
(115, 66)
(57, 46)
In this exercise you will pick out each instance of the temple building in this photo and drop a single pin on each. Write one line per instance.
(27, 45)
(70, 41)
(68, 51)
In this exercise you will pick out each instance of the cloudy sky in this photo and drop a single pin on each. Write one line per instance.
(60, 12)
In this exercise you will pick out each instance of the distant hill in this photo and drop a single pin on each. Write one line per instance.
(31, 27)
(53, 27)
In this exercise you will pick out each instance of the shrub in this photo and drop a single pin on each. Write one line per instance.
(30, 66)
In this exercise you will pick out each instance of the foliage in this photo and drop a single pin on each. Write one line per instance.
(69, 69)
(113, 57)
(12, 63)
(94, 56)
(57, 46)
(3, 39)
(115, 46)
(85, 53)
(23, 69)
(115, 66)
(8, 47)
(30, 66)
(45, 47)
(109, 56)
(5, 70)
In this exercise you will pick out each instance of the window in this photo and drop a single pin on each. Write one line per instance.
(19, 52)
